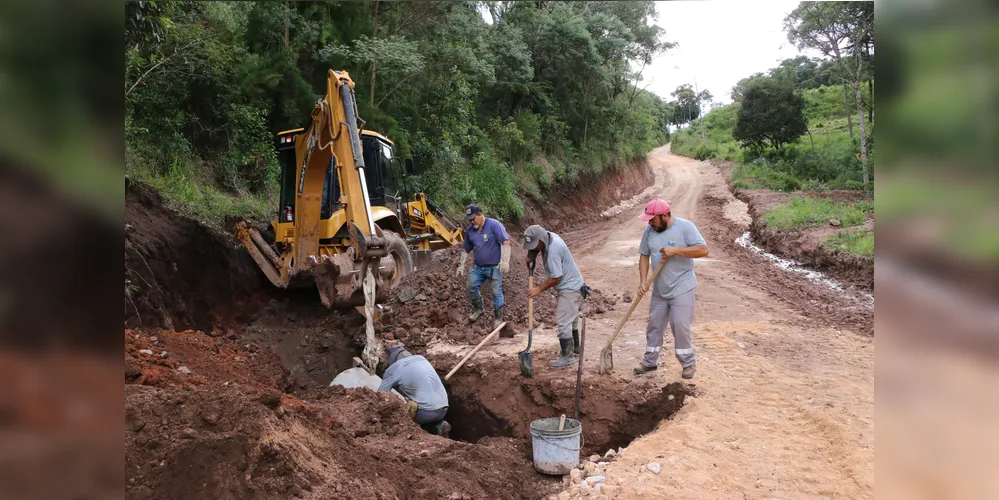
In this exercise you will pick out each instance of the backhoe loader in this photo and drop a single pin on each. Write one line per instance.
(340, 213)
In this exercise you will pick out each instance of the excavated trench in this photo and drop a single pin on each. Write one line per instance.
(486, 401)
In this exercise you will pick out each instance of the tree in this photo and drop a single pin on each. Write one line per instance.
(771, 114)
(839, 30)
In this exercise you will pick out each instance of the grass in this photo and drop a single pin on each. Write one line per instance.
(803, 211)
(859, 242)
(201, 200)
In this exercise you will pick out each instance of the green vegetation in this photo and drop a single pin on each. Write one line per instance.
(858, 242)
(804, 211)
(490, 112)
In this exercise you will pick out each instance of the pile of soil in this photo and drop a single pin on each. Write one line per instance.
(433, 304)
(240, 442)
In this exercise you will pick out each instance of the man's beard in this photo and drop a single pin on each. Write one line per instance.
(659, 229)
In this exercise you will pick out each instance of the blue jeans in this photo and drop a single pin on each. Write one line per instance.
(478, 275)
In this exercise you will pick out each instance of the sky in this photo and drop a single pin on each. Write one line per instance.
(719, 43)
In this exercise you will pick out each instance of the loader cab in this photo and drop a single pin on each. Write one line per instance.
(379, 173)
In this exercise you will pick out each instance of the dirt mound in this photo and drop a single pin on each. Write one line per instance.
(185, 275)
(235, 442)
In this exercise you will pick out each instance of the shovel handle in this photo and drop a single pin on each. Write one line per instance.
(634, 304)
(469, 355)
(530, 303)
(561, 422)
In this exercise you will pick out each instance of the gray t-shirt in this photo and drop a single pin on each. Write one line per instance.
(415, 378)
(559, 262)
(677, 277)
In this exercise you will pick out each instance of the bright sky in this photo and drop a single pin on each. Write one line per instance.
(719, 43)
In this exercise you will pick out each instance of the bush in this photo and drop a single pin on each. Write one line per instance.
(762, 176)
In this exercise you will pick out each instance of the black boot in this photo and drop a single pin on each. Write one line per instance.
(575, 342)
(566, 357)
(497, 316)
(478, 309)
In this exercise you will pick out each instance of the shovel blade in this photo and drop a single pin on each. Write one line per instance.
(526, 364)
(606, 361)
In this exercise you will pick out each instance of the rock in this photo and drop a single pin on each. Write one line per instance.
(421, 298)
(138, 425)
(594, 458)
(654, 467)
(610, 453)
(610, 491)
(146, 351)
(589, 469)
(835, 222)
(564, 496)
(189, 433)
(446, 295)
(628, 297)
(576, 475)
(620, 451)
(185, 370)
(671, 397)
(270, 399)
(210, 418)
(741, 345)
(163, 354)
(585, 490)
(566, 481)
(592, 480)
(405, 296)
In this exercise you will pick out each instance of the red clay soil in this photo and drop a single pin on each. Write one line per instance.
(239, 442)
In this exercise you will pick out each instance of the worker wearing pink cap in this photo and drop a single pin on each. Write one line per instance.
(678, 241)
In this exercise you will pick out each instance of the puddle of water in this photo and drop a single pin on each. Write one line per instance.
(794, 267)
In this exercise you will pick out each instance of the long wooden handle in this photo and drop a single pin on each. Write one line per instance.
(634, 304)
(469, 355)
(530, 304)
(561, 422)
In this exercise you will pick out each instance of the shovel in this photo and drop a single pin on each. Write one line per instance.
(606, 354)
(526, 359)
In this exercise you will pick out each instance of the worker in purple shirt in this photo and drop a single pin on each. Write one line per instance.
(487, 239)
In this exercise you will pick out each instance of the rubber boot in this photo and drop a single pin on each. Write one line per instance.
(497, 316)
(478, 310)
(566, 358)
(575, 342)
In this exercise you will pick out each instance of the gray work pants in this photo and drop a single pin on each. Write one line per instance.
(567, 312)
(679, 312)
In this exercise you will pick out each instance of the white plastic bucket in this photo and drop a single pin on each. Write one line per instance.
(556, 452)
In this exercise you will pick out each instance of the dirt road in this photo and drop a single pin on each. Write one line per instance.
(784, 406)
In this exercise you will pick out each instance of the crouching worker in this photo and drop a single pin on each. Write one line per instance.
(414, 378)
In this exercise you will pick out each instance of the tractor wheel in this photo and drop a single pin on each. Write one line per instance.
(399, 252)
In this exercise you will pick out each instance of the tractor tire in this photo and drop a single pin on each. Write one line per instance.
(399, 251)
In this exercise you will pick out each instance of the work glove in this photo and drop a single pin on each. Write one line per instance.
(461, 267)
(504, 258)
(411, 408)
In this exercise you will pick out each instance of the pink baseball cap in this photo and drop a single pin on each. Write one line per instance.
(654, 208)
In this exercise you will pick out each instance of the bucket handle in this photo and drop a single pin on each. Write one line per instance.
(582, 442)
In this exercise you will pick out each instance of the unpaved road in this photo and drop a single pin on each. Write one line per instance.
(785, 407)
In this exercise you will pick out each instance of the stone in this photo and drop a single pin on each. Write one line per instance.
(628, 297)
(445, 295)
(611, 453)
(576, 475)
(585, 490)
(594, 458)
(185, 370)
(146, 351)
(421, 298)
(592, 480)
(564, 496)
(620, 451)
(189, 433)
(163, 354)
(590, 469)
(654, 467)
(210, 418)
(406, 296)
(835, 222)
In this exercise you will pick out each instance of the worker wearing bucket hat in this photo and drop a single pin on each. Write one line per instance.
(677, 240)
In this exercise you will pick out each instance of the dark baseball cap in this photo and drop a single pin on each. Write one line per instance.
(471, 211)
